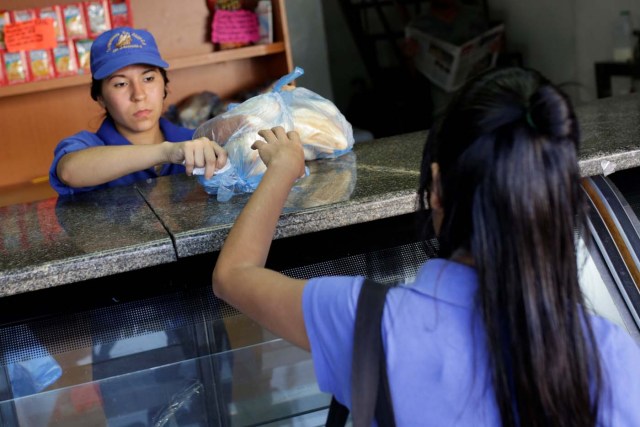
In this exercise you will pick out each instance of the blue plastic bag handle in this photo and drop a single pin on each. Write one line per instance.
(277, 87)
(287, 78)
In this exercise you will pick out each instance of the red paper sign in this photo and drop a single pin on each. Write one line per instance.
(235, 26)
(30, 35)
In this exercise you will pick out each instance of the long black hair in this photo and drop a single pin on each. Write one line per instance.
(511, 197)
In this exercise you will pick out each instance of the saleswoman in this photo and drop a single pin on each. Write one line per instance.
(134, 142)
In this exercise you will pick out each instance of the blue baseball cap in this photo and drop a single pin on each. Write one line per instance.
(120, 47)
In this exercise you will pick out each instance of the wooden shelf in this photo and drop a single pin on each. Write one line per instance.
(174, 64)
(42, 85)
(226, 55)
(35, 116)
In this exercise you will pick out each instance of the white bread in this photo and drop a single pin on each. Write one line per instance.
(322, 128)
(318, 130)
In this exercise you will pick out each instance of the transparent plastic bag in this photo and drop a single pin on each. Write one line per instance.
(323, 129)
(30, 366)
(236, 130)
(324, 133)
(333, 185)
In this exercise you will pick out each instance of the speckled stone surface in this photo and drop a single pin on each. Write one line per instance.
(377, 180)
(54, 242)
(157, 222)
(610, 130)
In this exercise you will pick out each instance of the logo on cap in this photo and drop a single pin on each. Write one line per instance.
(125, 40)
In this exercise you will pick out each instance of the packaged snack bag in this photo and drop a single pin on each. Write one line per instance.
(265, 19)
(5, 18)
(83, 51)
(98, 17)
(55, 13)
(74, 21)
(40, 64)
(120, 13)
(23, 15)
(3, 81)
(16, 67)
(64, 59)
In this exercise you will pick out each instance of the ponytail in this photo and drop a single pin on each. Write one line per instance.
(511, 197)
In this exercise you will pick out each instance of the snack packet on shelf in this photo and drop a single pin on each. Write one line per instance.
(98, 17)
(83, 52)
(5, 18)
(55, 13)
(16, 69)
(41, 64)
(75, 25)
(64, 59)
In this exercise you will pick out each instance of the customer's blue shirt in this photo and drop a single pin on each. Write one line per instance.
(108, 135)
(436, 353)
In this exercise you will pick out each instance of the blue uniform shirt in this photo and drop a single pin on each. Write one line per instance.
(436, 352)
(108, 135)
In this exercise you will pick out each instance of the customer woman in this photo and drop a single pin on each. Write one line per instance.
(134, 142)
(494, 331)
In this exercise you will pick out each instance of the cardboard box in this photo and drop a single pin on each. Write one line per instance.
(450, 66)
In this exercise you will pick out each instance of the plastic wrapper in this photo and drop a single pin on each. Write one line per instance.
(323, 129)
(64, 59)
(121, 13)
(98, 17)
(83, 52)
(30, 367)
(74, 21)
(5, 18)
(16, 67)
(325, 184)
(40, 64)
(55, 14)
(324, 132)
(236, 130)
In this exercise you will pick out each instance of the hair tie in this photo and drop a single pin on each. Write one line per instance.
(530, 120)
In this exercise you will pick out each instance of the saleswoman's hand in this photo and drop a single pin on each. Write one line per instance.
(198, 153)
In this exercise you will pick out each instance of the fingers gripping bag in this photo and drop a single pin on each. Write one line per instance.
(236, 130)
(324, 133)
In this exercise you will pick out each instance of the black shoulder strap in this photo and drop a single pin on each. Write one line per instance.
(369, 384)
(338, 414)
(369, 387)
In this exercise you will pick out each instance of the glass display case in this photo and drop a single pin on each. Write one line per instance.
(161, 352)
(182, 357)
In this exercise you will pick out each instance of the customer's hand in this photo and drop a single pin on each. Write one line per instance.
(282, 150)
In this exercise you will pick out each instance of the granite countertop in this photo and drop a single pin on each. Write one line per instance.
(55, 242)
(610, 132)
